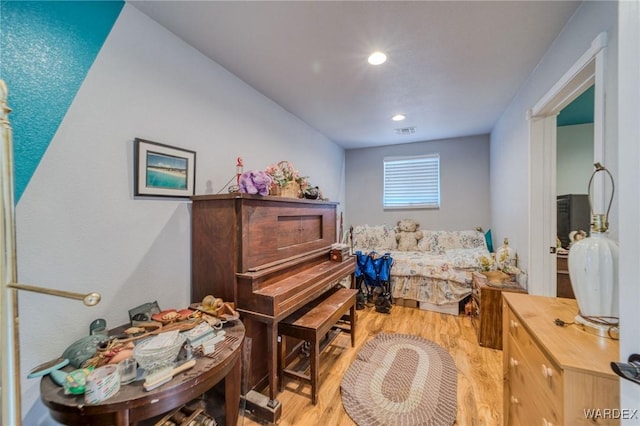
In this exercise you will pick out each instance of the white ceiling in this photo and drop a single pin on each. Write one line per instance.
(453, 66)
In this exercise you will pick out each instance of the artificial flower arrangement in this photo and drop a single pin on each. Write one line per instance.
(284, 175)
(280, 179)
(255, 182)
(486, 263)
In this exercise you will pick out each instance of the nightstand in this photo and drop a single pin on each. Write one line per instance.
(486, 313)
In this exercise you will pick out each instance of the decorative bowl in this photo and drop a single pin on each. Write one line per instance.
(152, 357)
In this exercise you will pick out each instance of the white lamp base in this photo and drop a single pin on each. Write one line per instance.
(602, 330)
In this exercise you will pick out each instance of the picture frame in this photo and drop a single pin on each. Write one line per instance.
(162, 170)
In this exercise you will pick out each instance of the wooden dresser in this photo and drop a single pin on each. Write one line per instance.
(563, 281)
(486, 314)
(270, 255)
(554, 375)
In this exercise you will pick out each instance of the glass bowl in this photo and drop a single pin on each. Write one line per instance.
(152, 357)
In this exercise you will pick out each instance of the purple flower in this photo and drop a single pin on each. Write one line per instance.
(255, 182)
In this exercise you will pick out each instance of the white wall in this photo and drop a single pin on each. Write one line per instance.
(510, 137)
(629, 190)
(574, 158)
(464, 181)
(79, 227)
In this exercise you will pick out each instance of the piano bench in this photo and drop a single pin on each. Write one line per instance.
(312, 323)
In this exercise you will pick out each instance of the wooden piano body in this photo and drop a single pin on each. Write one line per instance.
(270, 255)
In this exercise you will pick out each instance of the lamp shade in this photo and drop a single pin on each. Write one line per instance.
(593, 268)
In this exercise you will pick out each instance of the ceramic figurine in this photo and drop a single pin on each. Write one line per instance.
(505, 256)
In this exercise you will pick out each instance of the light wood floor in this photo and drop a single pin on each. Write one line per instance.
(479, 369)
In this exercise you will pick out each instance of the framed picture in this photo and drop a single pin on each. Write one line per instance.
(163, 170)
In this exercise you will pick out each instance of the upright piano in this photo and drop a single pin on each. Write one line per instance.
(270, 255)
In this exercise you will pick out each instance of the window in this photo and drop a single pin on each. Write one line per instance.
(412, 182)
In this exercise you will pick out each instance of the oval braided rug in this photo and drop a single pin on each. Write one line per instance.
(400, 379)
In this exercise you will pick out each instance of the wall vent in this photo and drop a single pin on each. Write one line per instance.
(405, 130)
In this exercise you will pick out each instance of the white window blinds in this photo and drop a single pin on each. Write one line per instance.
(412, 182)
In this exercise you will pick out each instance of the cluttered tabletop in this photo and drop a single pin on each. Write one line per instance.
(158, 361)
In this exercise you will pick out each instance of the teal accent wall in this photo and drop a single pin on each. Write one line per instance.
(46, 50)
(580, 111)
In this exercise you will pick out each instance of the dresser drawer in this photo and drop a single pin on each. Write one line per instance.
(544, 372)
(552, 374)
(562, 263)
(563, 281)
(529, 405)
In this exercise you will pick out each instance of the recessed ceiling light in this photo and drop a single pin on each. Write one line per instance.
(398, 117)
(377, 58)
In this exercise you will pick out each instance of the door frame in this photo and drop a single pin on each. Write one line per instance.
(629, 198)
(588, 70)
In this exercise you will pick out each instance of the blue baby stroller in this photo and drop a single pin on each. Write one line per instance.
(373, 280)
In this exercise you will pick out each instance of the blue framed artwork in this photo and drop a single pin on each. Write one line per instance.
(163, 170)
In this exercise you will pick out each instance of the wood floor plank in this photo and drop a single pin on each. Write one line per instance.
(479, 369)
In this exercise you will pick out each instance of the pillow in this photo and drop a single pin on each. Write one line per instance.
(438, 242)
(470, 239)
(377, 237)
(424, 243)
(489, 240)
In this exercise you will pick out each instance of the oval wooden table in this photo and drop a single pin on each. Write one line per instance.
(133, 404)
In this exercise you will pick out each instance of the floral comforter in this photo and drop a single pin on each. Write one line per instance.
(426, 265)
(430, 290)
(434, 278)
(439, 272)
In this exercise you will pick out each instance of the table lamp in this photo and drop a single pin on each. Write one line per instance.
(593, 268)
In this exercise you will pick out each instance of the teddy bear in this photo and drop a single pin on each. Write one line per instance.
(255, 182)
(408, 235)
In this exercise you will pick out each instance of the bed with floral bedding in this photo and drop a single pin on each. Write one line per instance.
(438, 273)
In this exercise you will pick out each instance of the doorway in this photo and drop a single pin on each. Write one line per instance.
(586, 72)
(574, 166)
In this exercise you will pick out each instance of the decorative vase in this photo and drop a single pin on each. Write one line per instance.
(505, 256)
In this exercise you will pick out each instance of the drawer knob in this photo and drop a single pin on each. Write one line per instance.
(514, 324)
(513, 362)
(514, 400)
(547, 373)
(546, 422)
